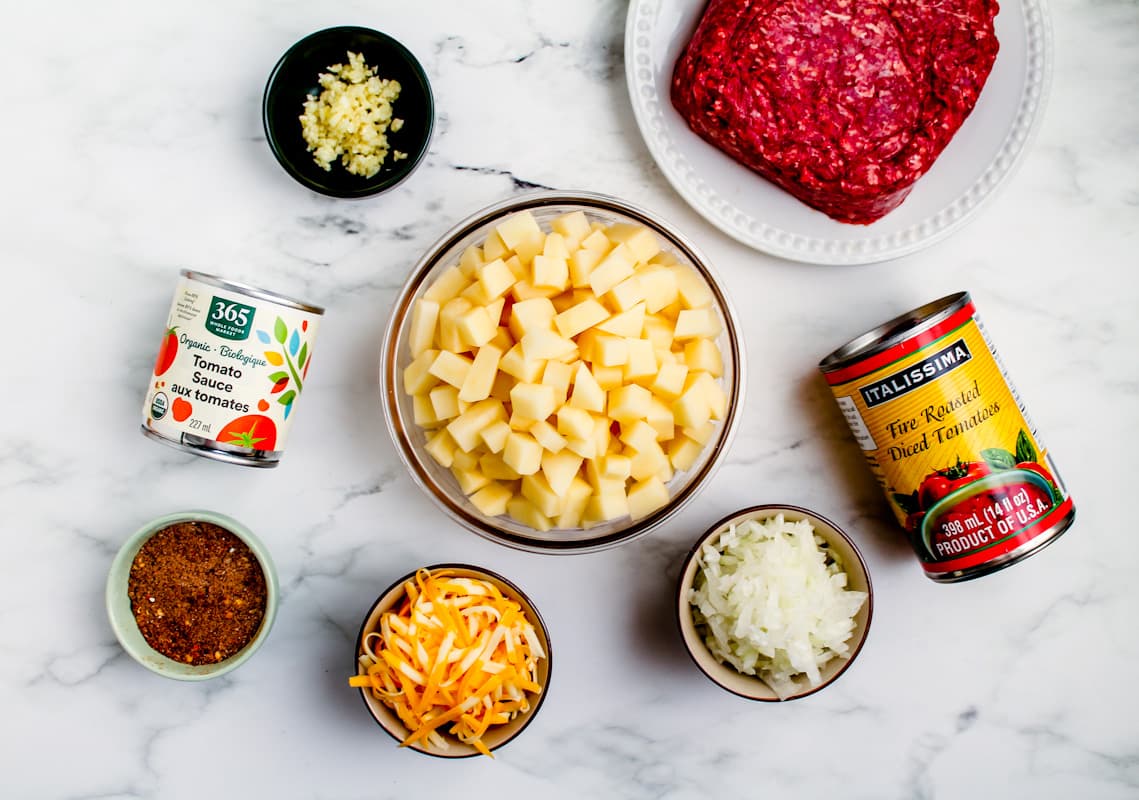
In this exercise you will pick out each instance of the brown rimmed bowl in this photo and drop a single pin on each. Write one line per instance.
(750, 686)
(497, 736)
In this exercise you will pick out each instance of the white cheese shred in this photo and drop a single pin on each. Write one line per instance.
(771, 600)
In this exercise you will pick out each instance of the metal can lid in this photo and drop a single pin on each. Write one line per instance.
(252, 291)
(896, 330)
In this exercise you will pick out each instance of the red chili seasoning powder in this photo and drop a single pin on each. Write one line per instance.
(197, 592)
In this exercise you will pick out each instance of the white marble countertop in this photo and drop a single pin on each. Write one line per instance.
(132, 147)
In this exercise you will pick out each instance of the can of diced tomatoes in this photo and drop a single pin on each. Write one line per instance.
(949, 440)
(230, 369)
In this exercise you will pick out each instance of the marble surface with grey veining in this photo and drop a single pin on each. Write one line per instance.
(132, 147)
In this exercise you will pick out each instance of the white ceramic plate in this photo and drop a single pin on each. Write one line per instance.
(982, 155)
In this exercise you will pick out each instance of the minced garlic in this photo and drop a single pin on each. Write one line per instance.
(351, 118)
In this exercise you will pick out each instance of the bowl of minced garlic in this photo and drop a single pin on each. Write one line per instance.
(348, 112)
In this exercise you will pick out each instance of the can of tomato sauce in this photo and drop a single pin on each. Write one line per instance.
(230, 369)
(949, 439)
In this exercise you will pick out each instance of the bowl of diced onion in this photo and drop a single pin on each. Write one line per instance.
(562, 372)
(774, 603)
(452, 660)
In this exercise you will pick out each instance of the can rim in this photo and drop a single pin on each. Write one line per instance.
(253, 291)
(890, 333)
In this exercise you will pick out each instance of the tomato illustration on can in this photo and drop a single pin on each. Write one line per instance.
(232, 362)
(949, 440)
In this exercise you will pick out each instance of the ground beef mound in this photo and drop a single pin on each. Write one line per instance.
(843, 103)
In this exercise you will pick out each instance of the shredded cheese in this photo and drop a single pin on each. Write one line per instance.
(457, 652)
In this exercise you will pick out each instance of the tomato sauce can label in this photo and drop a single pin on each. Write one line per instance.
(948, 438)
(230, 369)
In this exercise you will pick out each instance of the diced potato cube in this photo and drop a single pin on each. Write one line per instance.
(491, 500)
(541, 344)
(556, 247)
(582, 263)
(450, 368)
(693, 291)
(522, 453)
(531, 315)
(703, 323)
(503, 383)
(610, 351)
(692, 408)
(527, 513)
(521, 423)
(615, 267)
(628, 324)
(423, 411)
(558, 375)
(547, 436)
(669, 381)
(496, 469)
(424, 317)
(629, 403)
(576, 498)
(702, 355)
(527, 249)
(476, 328)
(706, 384)
(659, 286)
(626, 294)
(639, 239)
(525, 290)
(417, 377)
(496, 278)
(448, 285)
(494, 436)
(574, 422)
(664, 258)
(494, 247)
(638, 434)
(573, 226)
(515, 363)
(609, 504)
(587, 394)
(476, 294)
(615, 466)
(445, 402)
(683, 452)
(659, 331)
(470, 480)
(601, 434)
(700, 433)
(517, 268)
(577, 318)
(536, 489)
(608, 378)
(586, 448)
(441, 447)
(502, 339)
(648, 462)
(471, 261)
(597, 241)
(534, 400)
(646, 496)
(550, 273)
(661, 419)
(465, 428)
(518, 228)
(563, 301)
(560, 469)
(642, 362)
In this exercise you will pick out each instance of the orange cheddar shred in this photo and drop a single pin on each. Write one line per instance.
(455, 652)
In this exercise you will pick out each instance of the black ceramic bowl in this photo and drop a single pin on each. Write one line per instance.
(295, 77)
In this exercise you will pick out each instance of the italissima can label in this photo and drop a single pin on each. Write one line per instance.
(949, 440)
(231, 367)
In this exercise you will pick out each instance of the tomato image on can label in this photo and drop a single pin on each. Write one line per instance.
(230, 369)
(949, 440)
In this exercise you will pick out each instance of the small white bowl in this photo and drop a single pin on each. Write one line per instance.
(750, 686)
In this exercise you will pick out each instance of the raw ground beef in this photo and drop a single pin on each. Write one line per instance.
(843, 103)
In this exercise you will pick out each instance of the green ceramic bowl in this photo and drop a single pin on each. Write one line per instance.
(122, 618)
